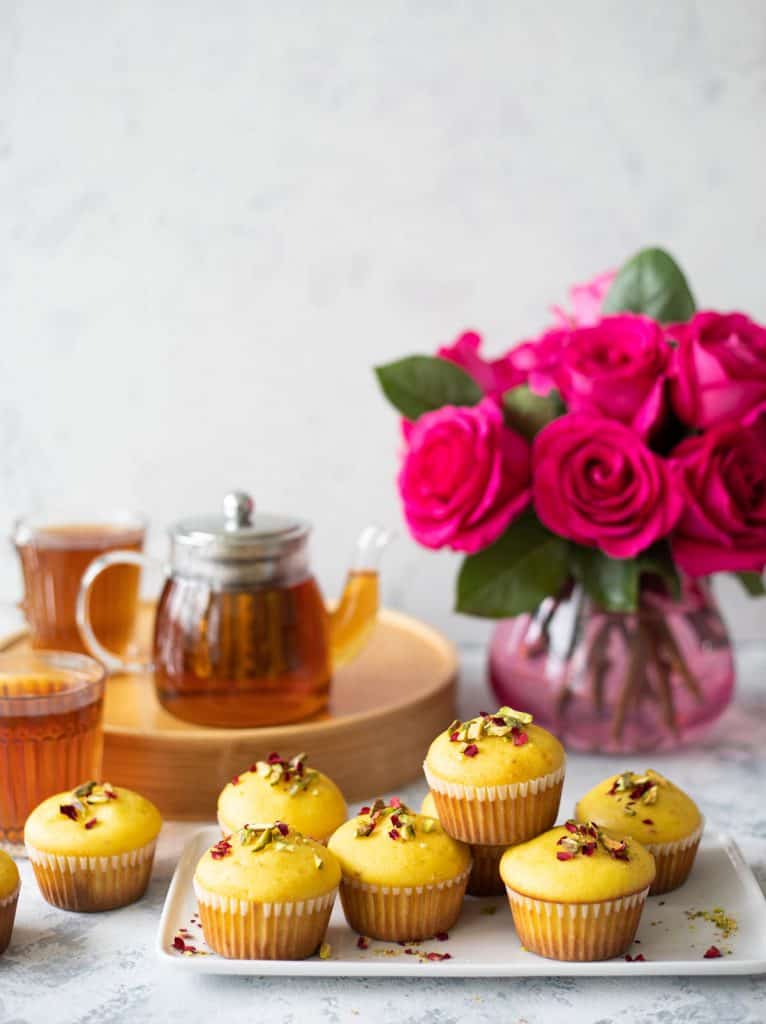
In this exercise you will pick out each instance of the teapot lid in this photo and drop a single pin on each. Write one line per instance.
(238, 537)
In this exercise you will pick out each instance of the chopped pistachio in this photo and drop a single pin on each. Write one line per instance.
(325, 951)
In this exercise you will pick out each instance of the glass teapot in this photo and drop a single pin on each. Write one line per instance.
(242, 635)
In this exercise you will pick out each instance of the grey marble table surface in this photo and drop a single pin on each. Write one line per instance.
(101, 968)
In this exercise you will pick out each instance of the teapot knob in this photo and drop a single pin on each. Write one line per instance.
(238, 508)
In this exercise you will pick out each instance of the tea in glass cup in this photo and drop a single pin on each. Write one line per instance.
(53, 559)
(51, 739)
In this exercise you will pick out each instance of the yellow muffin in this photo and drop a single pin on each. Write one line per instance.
(280, 790)
(496, 779)
(92, 848)
(484, 879)
(10, 884)
(577, 892)
(266, 893)
(652, 810)
(403, 876)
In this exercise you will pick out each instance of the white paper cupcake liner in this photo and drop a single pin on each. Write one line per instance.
(511, 791)
(497, 815)
(673, 861)
(577, 931)
(401, 913)
(91, 884)
(72, 864)
(288, 908)
(248, 930)
(677, 846)
(6, 901)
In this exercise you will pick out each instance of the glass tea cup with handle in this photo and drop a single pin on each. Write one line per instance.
(242, 635)
(54, 553)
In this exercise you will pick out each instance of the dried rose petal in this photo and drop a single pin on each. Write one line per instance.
(362, 943)
(454, 736)
(274, 758)
(570, 826)
(178, 943)
(563, 855)
(442, 936)
(713, 953)
(69, 811)
(471, 750)
(235, 780)
(394, 833)
(589, 849)
(92, 823)
(484, 714)
(364, 810)
(520, 740)
(394, 802)
(647, 821)
(438, 956)
(283, 829)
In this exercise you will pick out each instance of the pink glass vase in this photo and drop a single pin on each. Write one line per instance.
(615, 682)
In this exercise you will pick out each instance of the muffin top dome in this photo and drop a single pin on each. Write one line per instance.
(283, 790)
(388, 844)
(94, 820)
(428, 807)
(9, 876)
(494, 750)
(577, 864)
(268, 864)
(648, 807)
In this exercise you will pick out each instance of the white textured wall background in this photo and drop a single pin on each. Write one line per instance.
(216, 217)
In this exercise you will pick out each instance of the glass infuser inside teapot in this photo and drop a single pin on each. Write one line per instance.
(242, 635)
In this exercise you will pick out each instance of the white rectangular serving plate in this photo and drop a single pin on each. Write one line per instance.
(484, 943)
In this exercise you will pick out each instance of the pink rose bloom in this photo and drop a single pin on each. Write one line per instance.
(464, 478)
(719, 368)
(538, 361)
(494, 376)
(617, 368)
(723, 473)
(597, 484)
(587, 300)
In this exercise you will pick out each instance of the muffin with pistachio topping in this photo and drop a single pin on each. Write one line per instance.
(484, 879)
(577, 892)
(92, 848)
(496, 779)
(283, 790)
(9, 897)
(652, 810)
(266, 892)
(403, 876)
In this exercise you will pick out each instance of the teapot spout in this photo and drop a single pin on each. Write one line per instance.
(352, 620)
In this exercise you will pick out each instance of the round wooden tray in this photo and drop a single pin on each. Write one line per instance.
(386, 707)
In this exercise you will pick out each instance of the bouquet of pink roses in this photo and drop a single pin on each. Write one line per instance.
(629, 438)
(626, 442)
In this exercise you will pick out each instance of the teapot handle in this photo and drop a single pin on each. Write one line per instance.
(111, 661)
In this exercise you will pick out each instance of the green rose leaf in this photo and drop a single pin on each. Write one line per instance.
(612, 583)
(421, 384)
(752, 582)
(513, 575)
(651, 282)
(527, 413)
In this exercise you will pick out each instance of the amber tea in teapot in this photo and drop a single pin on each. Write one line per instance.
(242, 635)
